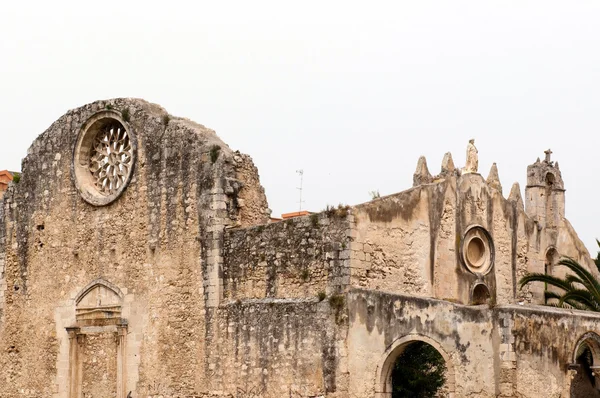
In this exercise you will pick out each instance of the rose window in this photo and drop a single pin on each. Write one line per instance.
(104, 157)
(110, 158)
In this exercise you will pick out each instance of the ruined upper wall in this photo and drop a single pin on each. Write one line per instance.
(299, 257)
(419, 241)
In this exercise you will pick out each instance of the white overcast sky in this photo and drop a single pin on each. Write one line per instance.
(350, 92)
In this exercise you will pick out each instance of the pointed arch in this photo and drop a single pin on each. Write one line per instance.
(99, 300)
(592, 341)
(98, 282)
(585, 366)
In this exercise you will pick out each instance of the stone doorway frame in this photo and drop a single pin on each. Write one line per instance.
(108, 320)
(383, 377)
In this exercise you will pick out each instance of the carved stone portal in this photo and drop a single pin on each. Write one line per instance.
(98, 343)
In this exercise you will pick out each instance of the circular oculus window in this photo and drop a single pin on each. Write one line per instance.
(477, 250)
(103, 158)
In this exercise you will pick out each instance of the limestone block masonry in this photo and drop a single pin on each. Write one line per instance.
(137, 260)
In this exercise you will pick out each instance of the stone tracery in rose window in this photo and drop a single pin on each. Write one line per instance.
(111, 158)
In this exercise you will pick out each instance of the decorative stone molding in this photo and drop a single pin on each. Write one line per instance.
(477, 250)
(104, 158)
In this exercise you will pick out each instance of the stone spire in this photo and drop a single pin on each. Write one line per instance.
(493, 179)
(515, 196)
(422, 175)
(447, 163)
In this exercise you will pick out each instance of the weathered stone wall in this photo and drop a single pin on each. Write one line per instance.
(506, 351)
(160, 243)
(99, 357)
(296, 258)
(544, 341)
(462, 334)
(2, 282)
(392, 247)
(279, 348)
(250, 198)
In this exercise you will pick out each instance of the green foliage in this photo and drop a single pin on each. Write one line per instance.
(321, 295)
(108, 107)
(314, 220)
(336, 301)
(578, 289)
(375, 194)
(125, 114)
(214, 153)
(340, 212)
(166, 118)
(419, 372)
(16, 178)
(305, 275)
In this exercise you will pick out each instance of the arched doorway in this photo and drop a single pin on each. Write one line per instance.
(585, 383)
(415, 366)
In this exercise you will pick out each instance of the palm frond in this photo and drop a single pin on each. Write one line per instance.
(583, 297)
(579, 289)
(545, 278)
(587, 279)
(550, 295)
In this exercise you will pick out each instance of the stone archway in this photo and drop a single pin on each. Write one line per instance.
(584, 370)
(383, 378)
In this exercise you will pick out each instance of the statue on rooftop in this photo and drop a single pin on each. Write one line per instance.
(472, 158)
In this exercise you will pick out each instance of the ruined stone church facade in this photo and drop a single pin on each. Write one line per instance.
(137, 260)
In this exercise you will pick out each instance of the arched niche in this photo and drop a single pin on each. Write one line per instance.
(383, 377)
(550, 260)
(99, 302)
(480, 294)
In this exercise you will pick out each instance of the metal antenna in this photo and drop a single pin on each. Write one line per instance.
(301, 172)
